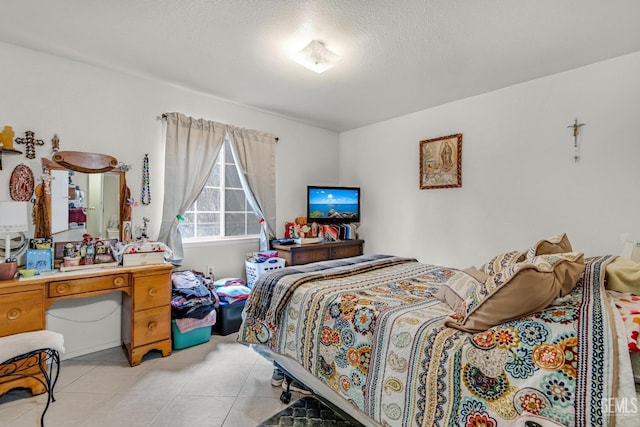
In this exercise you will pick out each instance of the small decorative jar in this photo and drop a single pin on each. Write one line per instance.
(71, 261)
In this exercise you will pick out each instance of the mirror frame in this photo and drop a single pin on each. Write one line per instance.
(80, 162)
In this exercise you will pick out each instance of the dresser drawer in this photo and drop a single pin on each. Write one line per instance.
(346, 251)
(151, 291)
(151, 325)
(21, 312)
(62, 288)
(309, 255)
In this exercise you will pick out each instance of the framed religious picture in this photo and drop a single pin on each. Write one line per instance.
(441, 162)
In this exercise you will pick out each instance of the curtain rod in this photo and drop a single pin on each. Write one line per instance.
(164, 116)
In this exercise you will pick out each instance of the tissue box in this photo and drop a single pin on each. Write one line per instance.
(142, 258)
(142, 253)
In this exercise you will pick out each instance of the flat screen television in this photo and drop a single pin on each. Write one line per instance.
(331, 205)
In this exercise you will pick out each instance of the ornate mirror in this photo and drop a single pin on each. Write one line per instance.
(81, 193)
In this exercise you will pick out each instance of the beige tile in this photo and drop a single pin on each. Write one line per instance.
(17, 404)
(69, 410)
(194, 411)
(165, 379)
(128, 410)
(72, 369)
(250, 411)
(215, 379)
(258, 382)
(108, 378)
(114, 354)
(213, 384)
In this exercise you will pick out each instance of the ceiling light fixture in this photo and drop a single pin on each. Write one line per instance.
(317, 57)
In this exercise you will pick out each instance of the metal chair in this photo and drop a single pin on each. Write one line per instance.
(33, 355)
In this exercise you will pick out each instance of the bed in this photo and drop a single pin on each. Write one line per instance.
(376, 335)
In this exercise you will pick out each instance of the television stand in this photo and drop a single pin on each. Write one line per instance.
(312, 252)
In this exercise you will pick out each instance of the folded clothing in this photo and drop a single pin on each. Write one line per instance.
(231, 290)
(190, 297)
(188, 324)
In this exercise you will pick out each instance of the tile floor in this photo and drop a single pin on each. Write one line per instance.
(220, 383)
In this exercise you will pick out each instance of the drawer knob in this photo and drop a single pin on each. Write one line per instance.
(62, 288)
(118, 281)
(152, 326)
(153, 292)
(14, 314)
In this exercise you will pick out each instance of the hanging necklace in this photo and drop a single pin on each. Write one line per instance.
(146, 186)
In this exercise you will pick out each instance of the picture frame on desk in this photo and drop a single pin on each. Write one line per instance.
(39, 259)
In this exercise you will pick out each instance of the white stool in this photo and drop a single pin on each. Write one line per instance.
(22, 352)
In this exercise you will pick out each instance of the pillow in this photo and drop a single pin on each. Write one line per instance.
(557, 244)
(623, 275)
(502, 261)
(480, 276)
(519, 289)
(458, 286)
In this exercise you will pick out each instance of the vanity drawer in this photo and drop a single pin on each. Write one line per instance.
(80, 286)
(151, 325)
(21, 312)
(151, 291)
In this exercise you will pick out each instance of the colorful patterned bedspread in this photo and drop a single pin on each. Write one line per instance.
(377, 338)
(629, 307)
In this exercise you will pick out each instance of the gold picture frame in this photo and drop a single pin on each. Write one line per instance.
(441, 162)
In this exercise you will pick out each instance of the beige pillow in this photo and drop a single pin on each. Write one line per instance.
(557, 244)
(519, 289)
(502, 261)
(623, 275)
(458, 286)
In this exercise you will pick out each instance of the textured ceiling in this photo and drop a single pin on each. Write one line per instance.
(399, 56)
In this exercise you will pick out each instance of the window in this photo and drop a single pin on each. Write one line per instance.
(222, 209)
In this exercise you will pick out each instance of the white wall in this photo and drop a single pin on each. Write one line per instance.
(519, 181)
(97, 110)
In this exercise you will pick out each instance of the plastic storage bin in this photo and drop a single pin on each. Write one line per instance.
(257, 269)
(229, 318)
(189, 339)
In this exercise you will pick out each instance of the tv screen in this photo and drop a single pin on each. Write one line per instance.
(333, 204)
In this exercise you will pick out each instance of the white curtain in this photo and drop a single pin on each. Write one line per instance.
(254, 155)
(192, 147)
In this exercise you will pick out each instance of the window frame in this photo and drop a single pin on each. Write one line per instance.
(222, 161)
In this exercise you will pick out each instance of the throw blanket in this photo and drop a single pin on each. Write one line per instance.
(378, 339)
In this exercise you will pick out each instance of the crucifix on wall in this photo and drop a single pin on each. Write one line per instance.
(576, 146)
(30, 142)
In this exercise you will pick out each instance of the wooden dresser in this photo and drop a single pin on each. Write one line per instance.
(312, 252)
(146, 305)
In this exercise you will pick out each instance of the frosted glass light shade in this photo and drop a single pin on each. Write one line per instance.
(316, 57)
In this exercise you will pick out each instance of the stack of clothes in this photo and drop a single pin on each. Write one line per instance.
(231, 290)
(193, 301)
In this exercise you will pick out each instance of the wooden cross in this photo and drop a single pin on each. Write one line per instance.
(30, 142)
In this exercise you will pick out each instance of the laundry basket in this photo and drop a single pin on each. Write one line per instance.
(257, 267)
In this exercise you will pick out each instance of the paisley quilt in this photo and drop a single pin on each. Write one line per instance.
(372, 329)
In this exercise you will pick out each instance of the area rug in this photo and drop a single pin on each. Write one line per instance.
(309, 412)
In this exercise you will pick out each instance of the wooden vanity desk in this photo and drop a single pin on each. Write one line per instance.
(146, 303)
